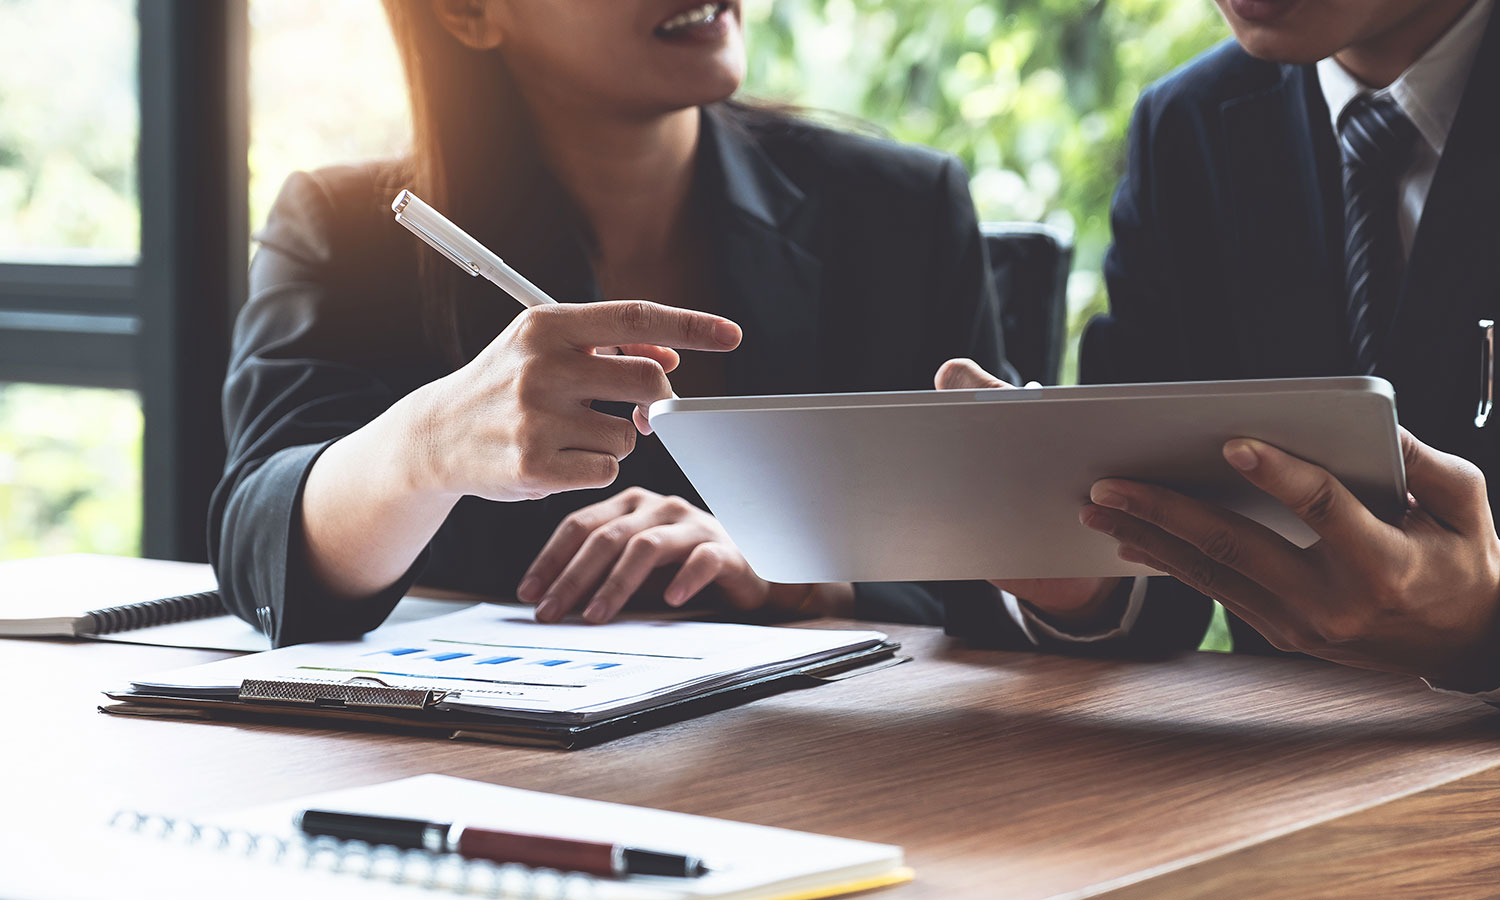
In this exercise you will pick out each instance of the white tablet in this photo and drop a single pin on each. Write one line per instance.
(988, 484)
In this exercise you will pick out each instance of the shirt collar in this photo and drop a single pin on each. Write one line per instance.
(1430, 91)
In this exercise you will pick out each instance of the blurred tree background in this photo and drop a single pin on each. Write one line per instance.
(1032, 95)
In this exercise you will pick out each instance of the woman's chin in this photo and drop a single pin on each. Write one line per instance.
(700, 86)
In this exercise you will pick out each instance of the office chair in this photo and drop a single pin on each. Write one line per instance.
(1030, 264)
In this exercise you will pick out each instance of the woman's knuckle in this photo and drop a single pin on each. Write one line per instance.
(624, 443)
(707, 555)
(612, 535)
(644, 542)
(634, 315)
(607, 469)
(536, 322)
(573, 527)
(646, 374)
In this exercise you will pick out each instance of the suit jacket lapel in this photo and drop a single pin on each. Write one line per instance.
(770, 280)
(1453, 275)
(1287, 272)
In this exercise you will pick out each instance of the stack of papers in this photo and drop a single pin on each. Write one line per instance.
(495, 663)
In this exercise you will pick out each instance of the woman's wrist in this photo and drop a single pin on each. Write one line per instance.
(415, 430)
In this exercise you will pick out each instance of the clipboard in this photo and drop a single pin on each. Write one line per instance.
(365, 702)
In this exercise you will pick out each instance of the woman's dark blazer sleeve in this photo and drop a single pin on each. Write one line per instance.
(300, 377)
(964, 320)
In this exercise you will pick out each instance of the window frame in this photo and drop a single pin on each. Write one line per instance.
(162, 325)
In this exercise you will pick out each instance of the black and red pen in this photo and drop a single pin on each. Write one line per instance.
(536, 851)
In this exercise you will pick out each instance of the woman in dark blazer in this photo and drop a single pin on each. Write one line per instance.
(386, 416)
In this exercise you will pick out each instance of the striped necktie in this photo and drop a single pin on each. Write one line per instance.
(1377, 142)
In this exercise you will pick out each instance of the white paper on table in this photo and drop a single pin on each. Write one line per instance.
(498, 660)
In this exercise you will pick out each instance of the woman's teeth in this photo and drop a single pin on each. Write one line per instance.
(698, 15)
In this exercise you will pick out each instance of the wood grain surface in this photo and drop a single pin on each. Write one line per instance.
(1441, 842)
(1002, 774)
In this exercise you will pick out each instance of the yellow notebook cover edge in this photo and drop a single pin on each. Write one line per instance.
(899, 875)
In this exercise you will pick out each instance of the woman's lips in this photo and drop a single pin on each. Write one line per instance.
(1261, 12)
(707, 22)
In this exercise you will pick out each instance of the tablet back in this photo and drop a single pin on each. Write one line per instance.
(988, 484)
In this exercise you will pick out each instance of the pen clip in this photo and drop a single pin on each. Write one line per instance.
(1486, 373)
(439, 245)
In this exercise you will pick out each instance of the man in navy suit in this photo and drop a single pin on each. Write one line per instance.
(1319, 197)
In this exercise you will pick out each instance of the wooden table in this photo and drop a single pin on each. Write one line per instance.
(1003, 775)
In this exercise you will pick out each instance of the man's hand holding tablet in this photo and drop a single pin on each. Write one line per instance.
(1419, 596)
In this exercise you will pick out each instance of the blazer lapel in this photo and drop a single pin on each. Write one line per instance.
(1287, 271)
(1453, 276)
(769, 281)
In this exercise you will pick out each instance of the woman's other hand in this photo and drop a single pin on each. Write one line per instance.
(516, 422)
(602, 554)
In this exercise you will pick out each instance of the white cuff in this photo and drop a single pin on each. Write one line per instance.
(1490, 697)
(1031, 624)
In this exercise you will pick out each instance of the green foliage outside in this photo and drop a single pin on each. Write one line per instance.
(68, 125)
(1033, 95)
(70, 471)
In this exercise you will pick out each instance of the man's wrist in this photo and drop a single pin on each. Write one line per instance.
(1102, 612)
(834, 600)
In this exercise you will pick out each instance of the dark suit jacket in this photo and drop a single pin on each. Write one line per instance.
(1227, 263)
(852, 264)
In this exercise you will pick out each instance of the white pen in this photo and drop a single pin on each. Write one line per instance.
(466, 253)
(463, 251)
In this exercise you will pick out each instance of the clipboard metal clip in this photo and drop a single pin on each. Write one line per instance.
(360, 691)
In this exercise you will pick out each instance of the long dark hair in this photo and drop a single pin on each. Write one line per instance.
(470, 141)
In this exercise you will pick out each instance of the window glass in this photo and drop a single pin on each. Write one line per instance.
(70, 127)
(325, 87)
(70, 470)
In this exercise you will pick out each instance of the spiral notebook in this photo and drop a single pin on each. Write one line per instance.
(257, 854)
(86, 595)
(139, 601)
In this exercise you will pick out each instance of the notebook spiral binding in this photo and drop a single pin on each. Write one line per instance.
(418, 868)
(156, 612)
